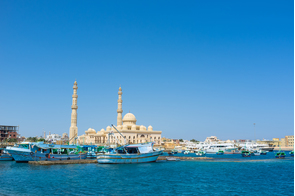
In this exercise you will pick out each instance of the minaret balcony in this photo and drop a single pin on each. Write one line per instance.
(119, 111)
(75, 96)
(74, 107)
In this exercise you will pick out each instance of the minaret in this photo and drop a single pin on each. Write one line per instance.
(119, 111)
(74, 128)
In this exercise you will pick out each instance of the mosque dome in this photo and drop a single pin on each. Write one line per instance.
(108, 128)
(129, 118)
(119, 127)
(91, 131)
(150, 128)
(142, 128)
(102, 130)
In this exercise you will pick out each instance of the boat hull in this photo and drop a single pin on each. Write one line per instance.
(128, 158)
(6, 158)
(20, 155)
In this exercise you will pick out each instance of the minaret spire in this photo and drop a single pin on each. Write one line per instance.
(119, 111)
(74, 128)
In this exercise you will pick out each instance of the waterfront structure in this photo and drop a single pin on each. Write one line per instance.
(74, 128)
(132, 132)
(287, 141)
(7, 131)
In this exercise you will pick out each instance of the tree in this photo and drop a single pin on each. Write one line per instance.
(181, 140)
(41, 140)
(12, 140)
(193, 140)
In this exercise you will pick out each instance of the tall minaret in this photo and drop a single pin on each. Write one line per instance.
(119, 111)
(74, 128)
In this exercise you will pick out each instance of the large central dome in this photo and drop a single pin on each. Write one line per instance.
(129, 118)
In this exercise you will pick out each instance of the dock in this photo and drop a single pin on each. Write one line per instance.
(82, 161)
(160, 158)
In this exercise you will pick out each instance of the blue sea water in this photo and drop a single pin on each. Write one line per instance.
(224, 175)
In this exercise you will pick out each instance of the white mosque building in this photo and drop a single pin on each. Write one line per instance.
(127, 126)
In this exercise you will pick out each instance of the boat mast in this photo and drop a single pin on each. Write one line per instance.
(119, 133)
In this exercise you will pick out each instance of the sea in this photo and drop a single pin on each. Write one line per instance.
(222, 175)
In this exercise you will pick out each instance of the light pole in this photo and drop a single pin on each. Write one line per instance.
(254, 131)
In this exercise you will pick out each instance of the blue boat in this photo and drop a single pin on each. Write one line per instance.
(4, 156)
(246, 153)
(133, 153)
(90, 149)
(291, 153)
(30, 151)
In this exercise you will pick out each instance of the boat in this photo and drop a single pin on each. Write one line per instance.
(200, 153)
(246, 153)
(90, 149)
(31, 151)
(280, 155)
(256, 153)
(262, 152)
(174, 151)
(220, 152)
(132, 153)
(291, 153)
(4, 155)
(186, 152)
(172, 159)
(214, 148)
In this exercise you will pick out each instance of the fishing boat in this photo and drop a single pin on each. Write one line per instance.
(30, 151)
(130, 153)
(246, 153)
(291, 153)
(90, 149)
(280, 155)
(200, 153)
(133, 153)
(220, 152)
(4, 156)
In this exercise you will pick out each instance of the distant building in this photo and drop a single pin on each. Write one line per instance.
(212, 139)
(288, 141)
(65, 136)
(8, 132)
(53, 138)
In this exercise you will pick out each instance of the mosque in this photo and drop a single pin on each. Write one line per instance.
(127, 126)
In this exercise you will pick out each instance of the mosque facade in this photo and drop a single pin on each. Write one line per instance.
(132, 132)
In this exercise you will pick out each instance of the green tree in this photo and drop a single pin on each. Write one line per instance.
(181, 140)
(41, 140)
(193, 140)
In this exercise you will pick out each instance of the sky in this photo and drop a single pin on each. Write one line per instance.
(190, 69)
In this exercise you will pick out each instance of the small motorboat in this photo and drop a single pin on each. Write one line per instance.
(200, 153)
(256, 153)
(186, 152)
(262, 152)
(172, 159)
(280, 155)
(291, 153)
(220, 152)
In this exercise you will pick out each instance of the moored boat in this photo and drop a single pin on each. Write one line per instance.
(246, 153)
(28, 151)
(280, 155)
(291, 153)
(256, 153)
(262, 152)
(200, 153)
(132, 153)
(186, 152)
(220, 152)
(4, 156)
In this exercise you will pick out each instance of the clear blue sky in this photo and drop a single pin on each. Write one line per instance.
(190, 69)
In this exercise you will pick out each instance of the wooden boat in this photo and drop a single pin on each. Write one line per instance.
(291, 153)
(246, 153)
(280, 155)
(220, 152)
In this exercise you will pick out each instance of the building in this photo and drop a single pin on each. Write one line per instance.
(132, 132)
(288, 141)
(270, 143)
(65, 136)
(74, 128)
(212, 139)
(53, 138)
(7, 132)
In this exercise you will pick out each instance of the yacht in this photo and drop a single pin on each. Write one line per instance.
(214, 148)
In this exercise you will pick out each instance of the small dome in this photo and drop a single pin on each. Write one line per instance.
(91, 131)
(129, 117)
(150, 128)
(133, 127)
(142, 128)
(102, 130)
(108, 128)
(125, 127)
(75, 83)
(119, 127)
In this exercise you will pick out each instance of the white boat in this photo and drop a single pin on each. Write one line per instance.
(256, 153)
(133, 153)
(200, 153)
(215, 147)
(186, 152)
